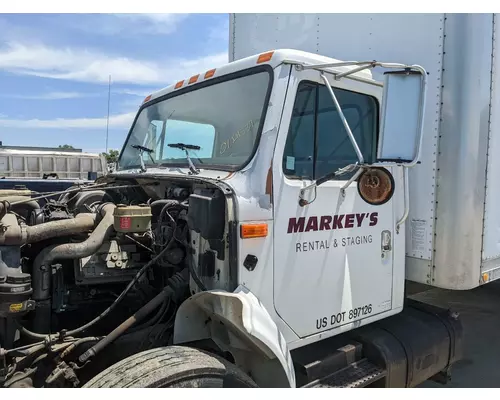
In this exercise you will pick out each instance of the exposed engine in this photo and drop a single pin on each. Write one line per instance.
(82, 274)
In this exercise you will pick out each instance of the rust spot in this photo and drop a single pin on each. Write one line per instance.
(228, 176)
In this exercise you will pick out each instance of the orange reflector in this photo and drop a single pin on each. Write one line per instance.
(253, 231)
(193, 79)
(265, 57)
(179, 84)
(147, 99)
(485, 277)
(210, 73)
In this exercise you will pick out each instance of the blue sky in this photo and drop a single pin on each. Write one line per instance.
(54, 71)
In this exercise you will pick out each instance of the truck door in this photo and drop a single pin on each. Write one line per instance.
(331, 270)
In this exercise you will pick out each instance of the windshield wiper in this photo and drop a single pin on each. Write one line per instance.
(187, 147)
(142, 150)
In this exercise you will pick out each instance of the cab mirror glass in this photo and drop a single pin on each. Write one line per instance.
(401, 117)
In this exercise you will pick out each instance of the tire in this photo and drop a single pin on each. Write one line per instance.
(173, 366)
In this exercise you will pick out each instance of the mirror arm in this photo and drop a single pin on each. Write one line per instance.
(353, 178)
(406, 200)
(362, 65)
(327, 177)
(344, 120)
(355, 70)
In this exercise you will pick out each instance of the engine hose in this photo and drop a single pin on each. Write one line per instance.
(120, 329)
(11, 203)
(33, 335)
(81, 223)
(162, 203)
(77, 343)
(15, 235)
(157, 317)
(167, 207)
(44, 260)
(169, 204)
(178, 284)
(122, 295)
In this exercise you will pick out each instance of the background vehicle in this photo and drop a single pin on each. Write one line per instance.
(265, 238)
(17, 162)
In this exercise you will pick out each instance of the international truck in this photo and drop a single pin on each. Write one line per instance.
(265, 217)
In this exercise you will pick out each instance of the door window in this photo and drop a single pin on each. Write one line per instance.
(317, 141)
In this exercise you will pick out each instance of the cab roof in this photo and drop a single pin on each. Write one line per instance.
(274, 58)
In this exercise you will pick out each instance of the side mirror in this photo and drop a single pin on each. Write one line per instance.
(402, 117)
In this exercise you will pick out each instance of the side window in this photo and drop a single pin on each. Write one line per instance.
(334, 149)
(317, 141)
(298, 157)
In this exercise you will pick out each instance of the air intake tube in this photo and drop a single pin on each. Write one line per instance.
(16, 235)
(44, 260)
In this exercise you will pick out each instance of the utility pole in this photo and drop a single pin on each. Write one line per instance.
(107, 120)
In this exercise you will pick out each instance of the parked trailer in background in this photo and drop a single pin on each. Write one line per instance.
(22, 163)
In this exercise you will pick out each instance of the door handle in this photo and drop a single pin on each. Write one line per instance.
(385, 242)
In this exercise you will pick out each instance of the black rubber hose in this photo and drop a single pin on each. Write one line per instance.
(177, 284)
(162, 203)
(27, 202)
(33, 335)
(75, 344)
(167, 207)
(44, 260)
(157, 317)
(120, 329)
(122, 295)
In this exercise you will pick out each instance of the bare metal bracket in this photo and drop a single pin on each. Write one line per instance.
(406, 200)
(344, 120)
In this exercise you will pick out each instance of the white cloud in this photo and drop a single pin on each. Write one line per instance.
(50, 96)
(163, 24)
(126, 24)
(115, 121)
(89, 66)
(134, 92)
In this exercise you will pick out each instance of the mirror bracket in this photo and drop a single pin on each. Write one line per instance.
(313, 185)
(339, 70)
(359, 154)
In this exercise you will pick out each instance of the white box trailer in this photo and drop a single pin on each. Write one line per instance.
(453, 229)
(17, 163)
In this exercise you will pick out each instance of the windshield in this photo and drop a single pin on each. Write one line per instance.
(218, 124)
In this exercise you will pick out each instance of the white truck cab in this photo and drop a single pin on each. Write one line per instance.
(312, 155)
(323, 253)
(272, 210)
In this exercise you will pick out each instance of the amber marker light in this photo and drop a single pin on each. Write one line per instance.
(249, 231)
